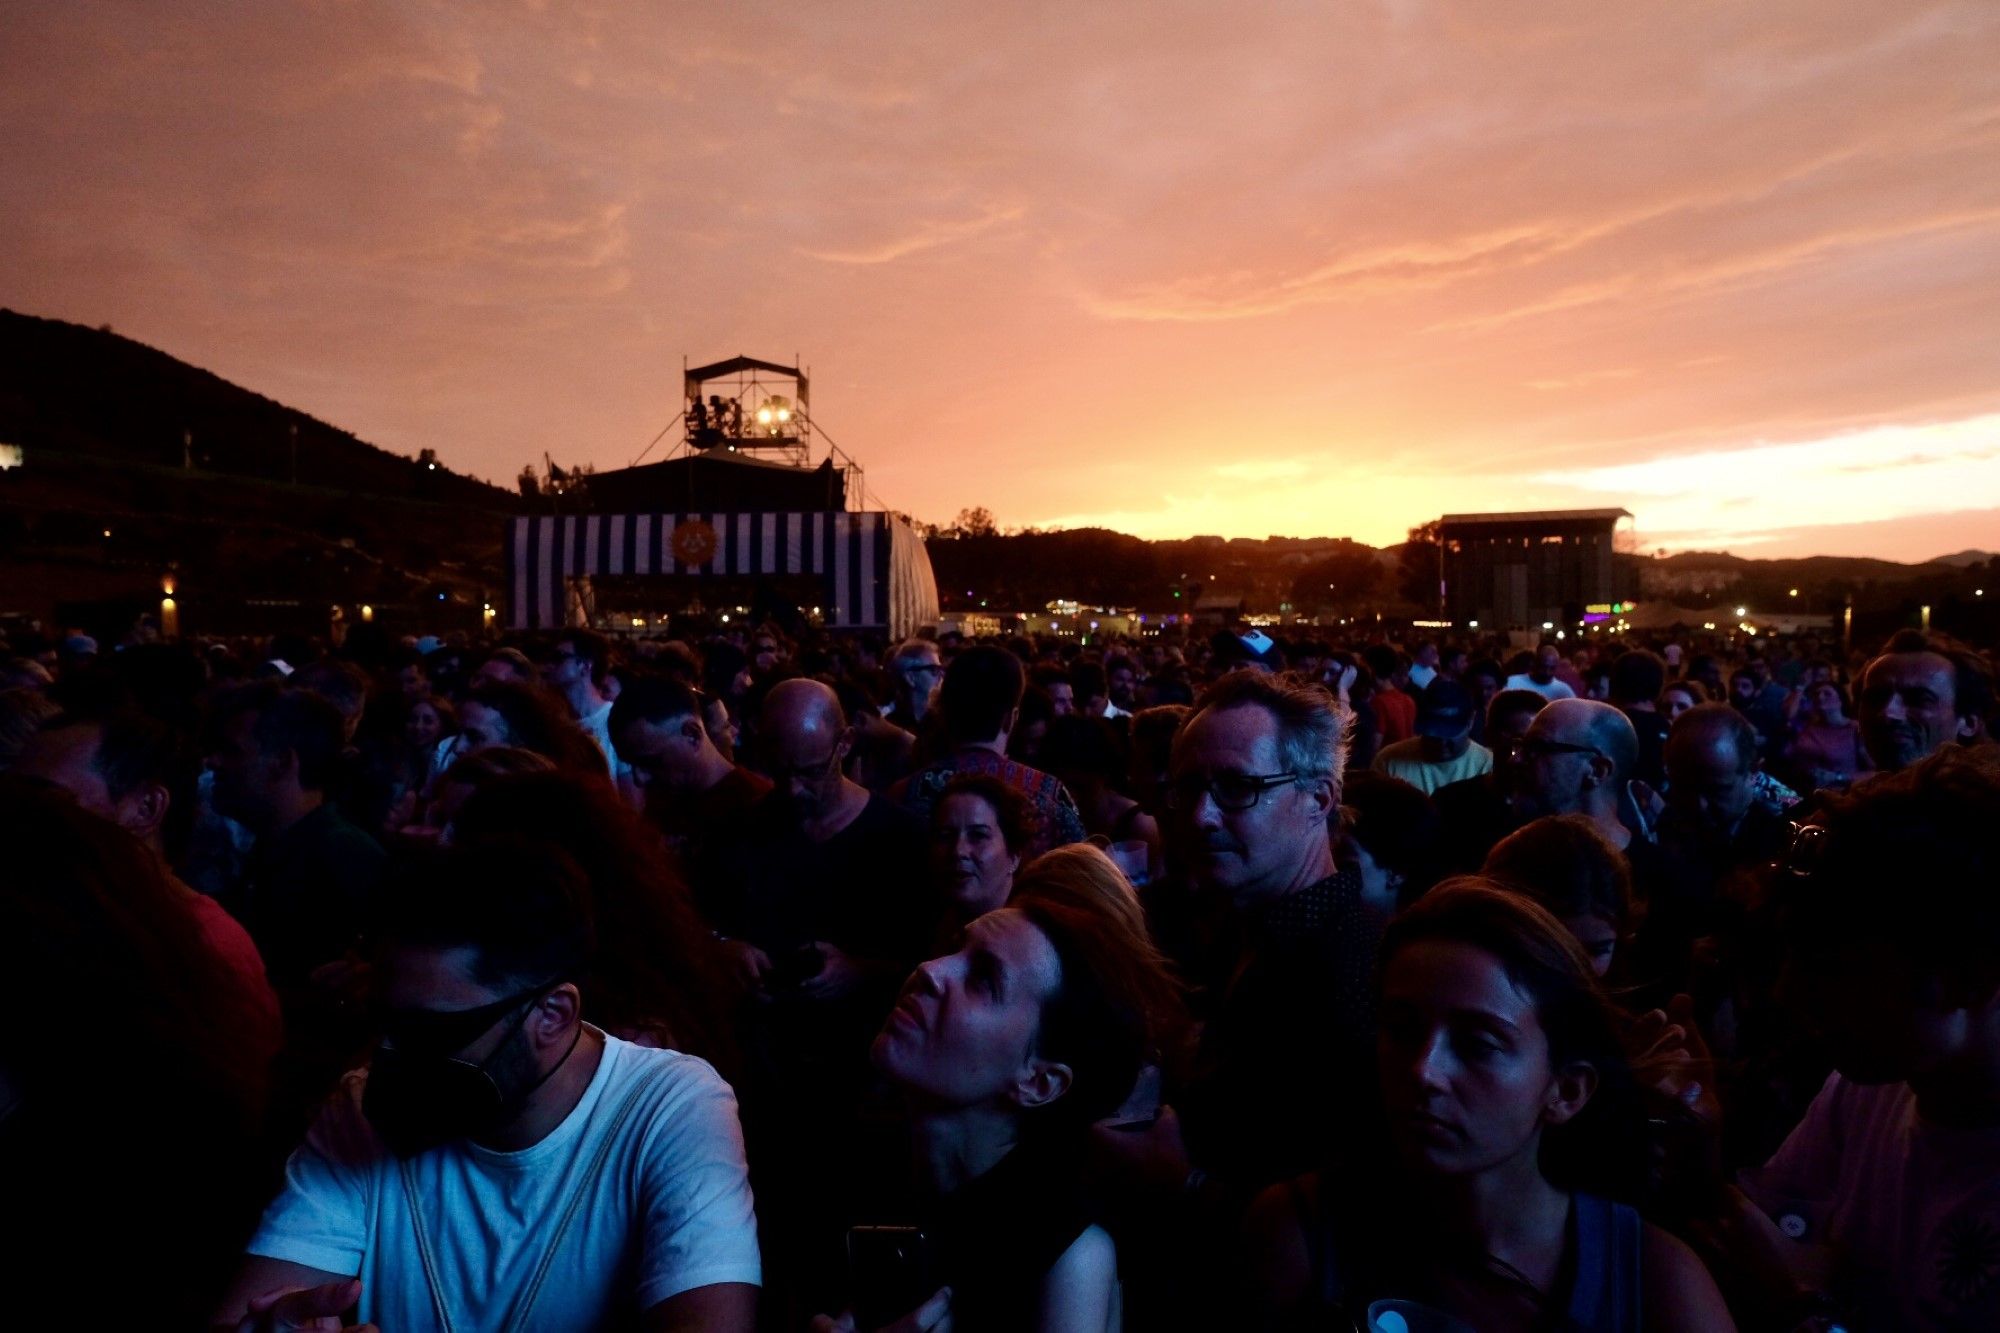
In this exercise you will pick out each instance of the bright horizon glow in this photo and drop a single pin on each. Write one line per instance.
(1306, 270)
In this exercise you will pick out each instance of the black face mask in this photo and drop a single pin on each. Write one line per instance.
(420, 1095)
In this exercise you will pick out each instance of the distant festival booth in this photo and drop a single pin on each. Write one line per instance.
(738, 517)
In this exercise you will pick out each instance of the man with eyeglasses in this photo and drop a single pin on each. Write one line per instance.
(502, 1164)
(918, 671)
(690, 787)
(817, 891)
(1575, 760)
(1253, 781)
(819, 899)
(576, 669)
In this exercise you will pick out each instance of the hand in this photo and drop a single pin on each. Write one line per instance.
(747, 964)
(1670, 1054)
(838, 976)
(1650, 803)
(933, 1316)
(1150, 1158)
(305, 1310)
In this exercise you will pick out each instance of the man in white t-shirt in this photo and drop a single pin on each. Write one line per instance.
(1423, 666)
(1893, 935)
(502, 1164)
(1541, 676)
(576, 669)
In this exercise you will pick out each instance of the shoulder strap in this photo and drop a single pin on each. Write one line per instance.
(1607, 1241)
(577, 1189)
(417, 1224)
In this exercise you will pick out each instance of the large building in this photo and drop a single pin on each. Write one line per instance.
(1527, 570)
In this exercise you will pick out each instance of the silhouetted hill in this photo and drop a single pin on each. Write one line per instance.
(85, 392)
(1965, 559)
(109, 506)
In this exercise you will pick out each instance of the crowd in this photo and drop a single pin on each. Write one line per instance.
(787, 981)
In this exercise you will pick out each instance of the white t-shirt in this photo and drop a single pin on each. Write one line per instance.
(1913, 1209)
(669, 1210)
(597, 726)
(1552, 691)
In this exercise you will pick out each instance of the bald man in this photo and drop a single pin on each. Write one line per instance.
(819, 895)
(819, 889)
(1576, 759)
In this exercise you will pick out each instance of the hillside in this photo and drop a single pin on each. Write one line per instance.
(84, 392)
(137, 471)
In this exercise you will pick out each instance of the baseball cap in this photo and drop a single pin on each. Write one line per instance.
(1444, 708)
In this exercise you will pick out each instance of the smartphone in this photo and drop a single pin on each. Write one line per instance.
(888, 1272)
(1142, 1108)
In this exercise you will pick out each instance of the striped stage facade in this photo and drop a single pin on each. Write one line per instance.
(873, 565)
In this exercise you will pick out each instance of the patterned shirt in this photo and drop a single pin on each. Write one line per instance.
(1052, 813)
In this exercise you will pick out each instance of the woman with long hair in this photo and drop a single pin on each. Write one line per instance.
(1825, 749)
(1511, 1129)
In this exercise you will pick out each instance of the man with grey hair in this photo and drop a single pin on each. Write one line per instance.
(915, 672)
(1253, 784)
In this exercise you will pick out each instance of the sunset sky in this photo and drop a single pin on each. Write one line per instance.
(1304, 268)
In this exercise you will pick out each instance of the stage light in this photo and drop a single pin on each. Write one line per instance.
(763, 416)
(1742, 610)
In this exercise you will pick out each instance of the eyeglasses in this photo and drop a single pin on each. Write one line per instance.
(807, 772)
(438, 1032)
(1233, 792)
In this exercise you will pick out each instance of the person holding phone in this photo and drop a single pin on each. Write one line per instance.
(1004, 1053)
